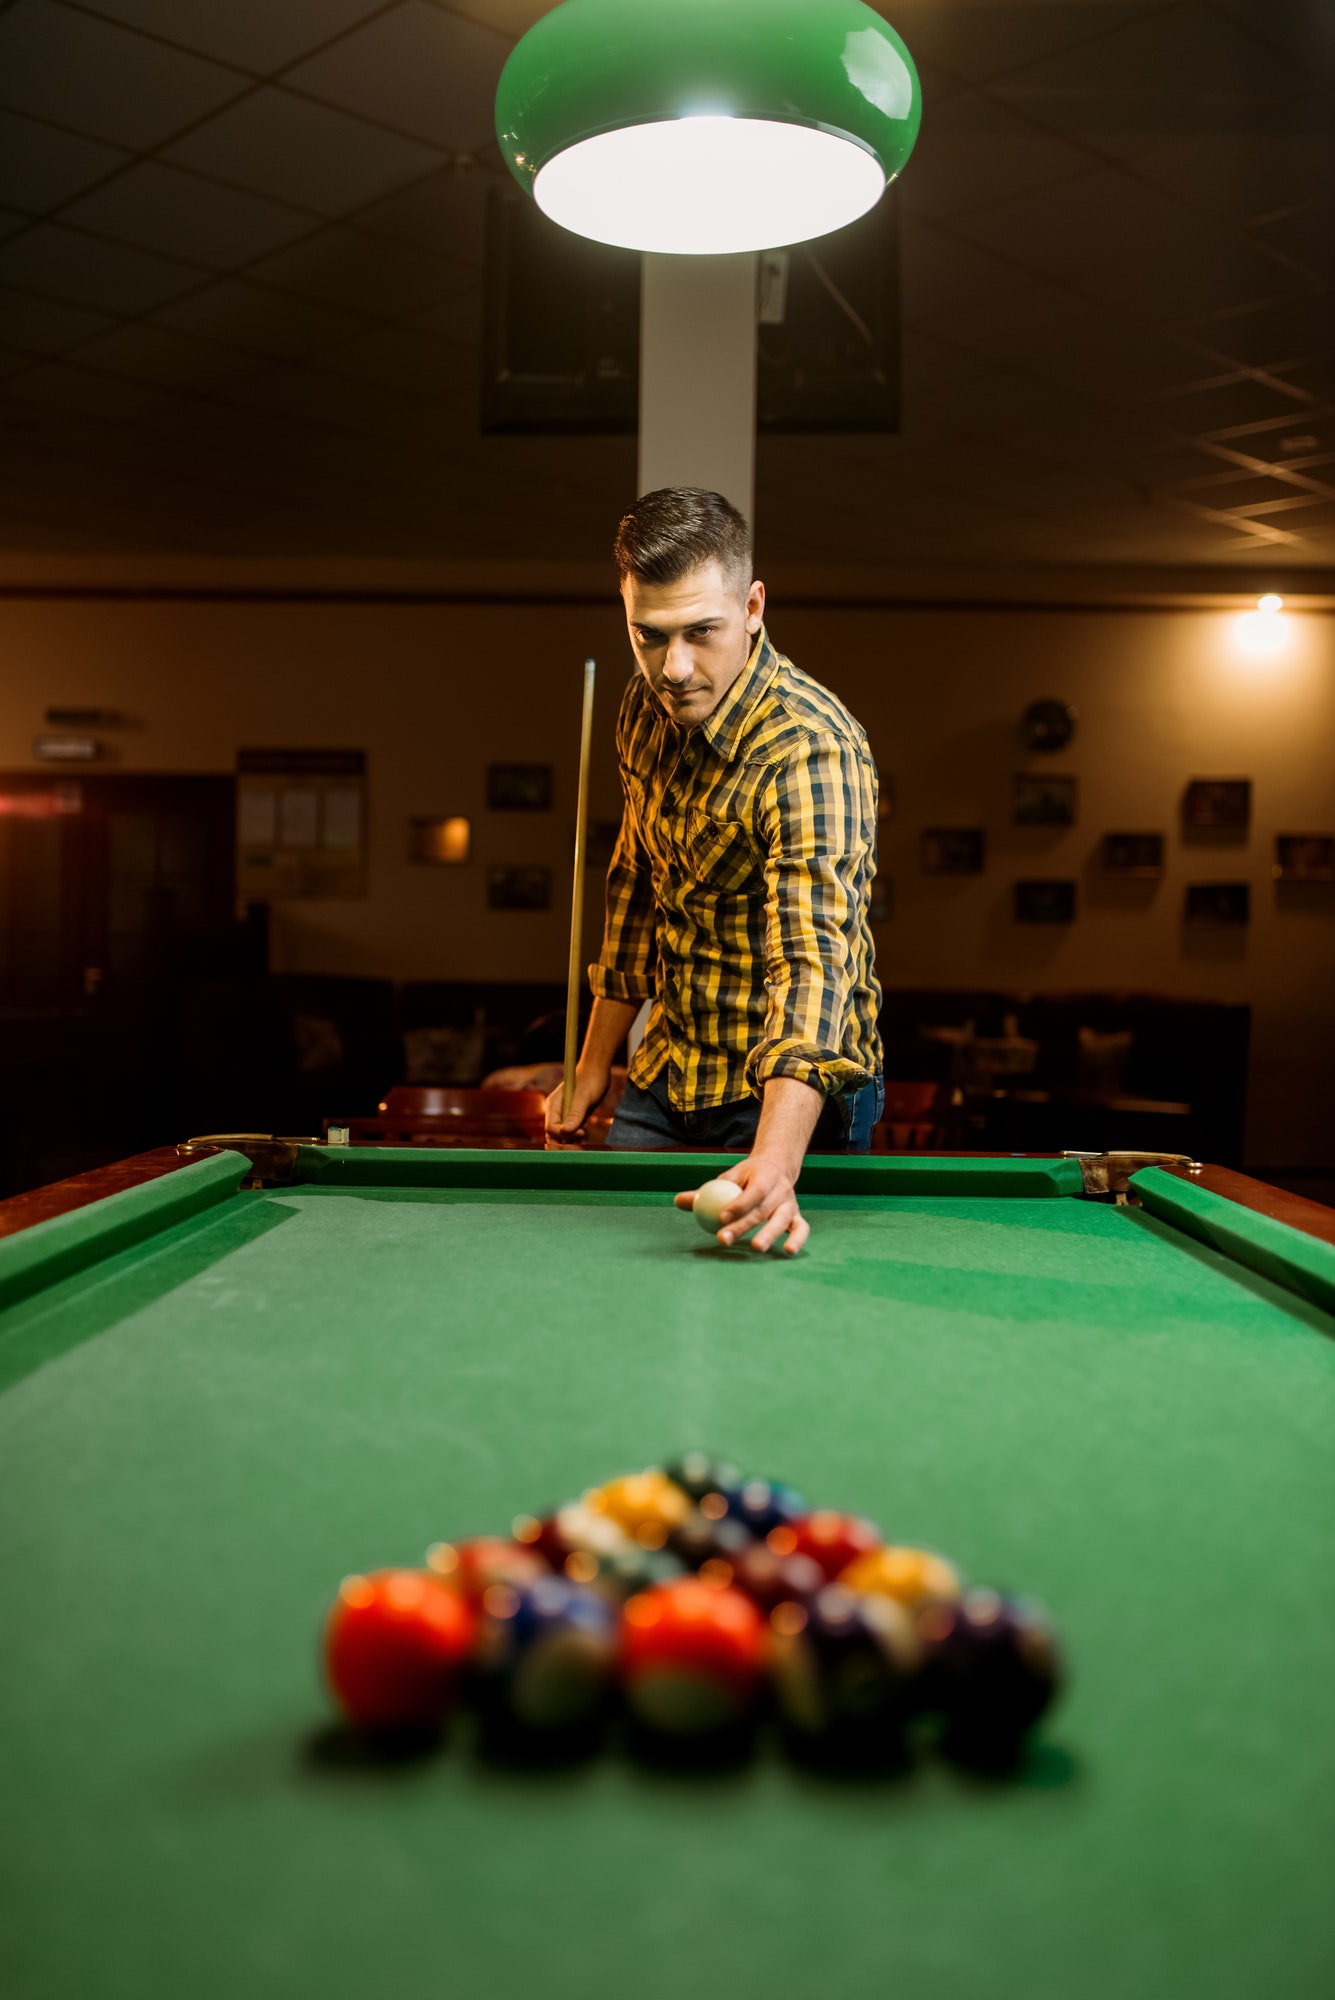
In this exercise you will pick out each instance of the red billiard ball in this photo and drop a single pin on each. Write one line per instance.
(473, 1566)
(833, 1540)
(395, 1643)
(692, 1654)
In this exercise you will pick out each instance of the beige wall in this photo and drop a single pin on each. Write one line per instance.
(434, 692)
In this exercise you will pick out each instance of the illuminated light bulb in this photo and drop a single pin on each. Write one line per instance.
(709, 185)
(1270, 604)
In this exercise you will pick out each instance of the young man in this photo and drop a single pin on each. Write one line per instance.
(738, 893)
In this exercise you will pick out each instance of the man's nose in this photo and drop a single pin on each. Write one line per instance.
(677, 662)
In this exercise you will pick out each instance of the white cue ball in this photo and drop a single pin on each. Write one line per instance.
(710, 1202)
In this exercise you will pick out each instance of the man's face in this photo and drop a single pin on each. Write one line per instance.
(692, 638)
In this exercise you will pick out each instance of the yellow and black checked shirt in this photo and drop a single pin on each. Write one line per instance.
(738, 893)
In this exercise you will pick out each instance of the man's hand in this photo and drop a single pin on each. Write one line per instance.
(590, 1090)
(768, 1179)
(768, 1198)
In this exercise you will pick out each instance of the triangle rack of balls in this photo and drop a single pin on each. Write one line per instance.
(690, 1602)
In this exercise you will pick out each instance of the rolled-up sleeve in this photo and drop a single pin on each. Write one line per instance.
(627, 964)
(816, 815)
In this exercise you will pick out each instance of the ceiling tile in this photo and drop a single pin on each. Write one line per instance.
(396, 359)
(40, 167)
(1178, 68)
(101, 80)
(365, 273)
(1305, 32)
(975, 151)
(1273, 331)
(459, 321)
(152, 354)
(509, 17)
(87, 270)
(983, 41)
(416, 69)
(294, 151)
(1210, 270)
(444, 215)
(940, 273)
(162, 208)
(256, 35)
(1102, 218)
(42, 326)
(1237, 175)
(264, 321)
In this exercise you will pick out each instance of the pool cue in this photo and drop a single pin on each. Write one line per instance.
(577, 898)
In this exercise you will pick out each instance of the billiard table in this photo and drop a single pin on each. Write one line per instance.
(216, 1399)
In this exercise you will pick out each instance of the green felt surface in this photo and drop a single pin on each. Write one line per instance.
(204, 1431)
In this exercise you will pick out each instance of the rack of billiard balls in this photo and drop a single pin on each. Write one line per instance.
(693, 1601)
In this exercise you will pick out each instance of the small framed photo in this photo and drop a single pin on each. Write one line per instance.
(1304, 857)
(1209, 804)
(882, 905)
(1211, 903)
(952, 850)
(519, 787)
(1045, 902)
(1135, 854)
(1040, 800)
(527, 887)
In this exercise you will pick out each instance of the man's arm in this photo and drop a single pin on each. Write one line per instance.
(609, 1024)
(768, 1176)
(818, 817)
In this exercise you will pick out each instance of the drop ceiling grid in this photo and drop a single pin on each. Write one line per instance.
(1049, 350)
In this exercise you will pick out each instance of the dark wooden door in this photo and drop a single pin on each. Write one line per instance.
(114, 891)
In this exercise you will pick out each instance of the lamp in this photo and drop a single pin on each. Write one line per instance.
(707, 126)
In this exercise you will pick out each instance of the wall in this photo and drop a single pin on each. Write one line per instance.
(433, 692)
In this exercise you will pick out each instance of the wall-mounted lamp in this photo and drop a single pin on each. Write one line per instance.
(1263, 631)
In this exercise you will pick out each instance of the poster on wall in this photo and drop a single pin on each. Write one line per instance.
(300, 824)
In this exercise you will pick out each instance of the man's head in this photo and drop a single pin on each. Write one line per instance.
(692, 604)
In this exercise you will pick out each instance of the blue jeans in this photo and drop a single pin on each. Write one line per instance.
(645, 1122)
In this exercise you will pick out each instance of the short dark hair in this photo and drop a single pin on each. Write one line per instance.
(669, 533)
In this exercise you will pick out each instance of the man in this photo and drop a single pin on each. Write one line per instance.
(738, 893)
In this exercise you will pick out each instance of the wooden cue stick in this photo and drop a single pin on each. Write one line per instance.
(577, 898)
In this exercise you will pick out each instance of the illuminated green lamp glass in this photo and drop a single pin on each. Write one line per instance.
(707, 126)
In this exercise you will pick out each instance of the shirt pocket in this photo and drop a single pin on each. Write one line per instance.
(719, 854)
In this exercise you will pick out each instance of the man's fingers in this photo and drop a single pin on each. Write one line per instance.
(685, 1200)
(797, 1236)
(746, 1214)
(779, 1224)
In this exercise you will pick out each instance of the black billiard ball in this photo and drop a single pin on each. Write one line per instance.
(544, 1655)
(773, 1579)
(698, 1473)
(699, 1540)
(763, 1504)
(845, 1670)
(993, 1666)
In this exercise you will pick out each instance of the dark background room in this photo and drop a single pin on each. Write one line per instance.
(284, 591)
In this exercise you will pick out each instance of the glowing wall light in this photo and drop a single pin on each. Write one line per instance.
(1264, 631)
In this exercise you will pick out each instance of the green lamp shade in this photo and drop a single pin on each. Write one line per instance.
(707, 126)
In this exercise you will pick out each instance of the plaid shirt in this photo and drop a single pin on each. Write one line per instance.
(738, 892)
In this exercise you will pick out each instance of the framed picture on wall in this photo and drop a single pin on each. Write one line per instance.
(882, 905)
(1044, 902)
(526, 887)
(1218, 903)
(1137, 854)
(519, 787)
(1212, 804)
(1304, 857)
(952, 850)
(1042, 800)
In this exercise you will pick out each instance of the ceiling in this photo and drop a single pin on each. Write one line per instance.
(240, 244)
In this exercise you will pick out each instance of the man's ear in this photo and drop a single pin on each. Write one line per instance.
(755, 607)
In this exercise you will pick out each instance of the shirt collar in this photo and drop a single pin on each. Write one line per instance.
(724, 728)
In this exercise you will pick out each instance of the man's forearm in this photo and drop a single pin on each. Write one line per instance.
(789, 1113)
(609, 1024)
